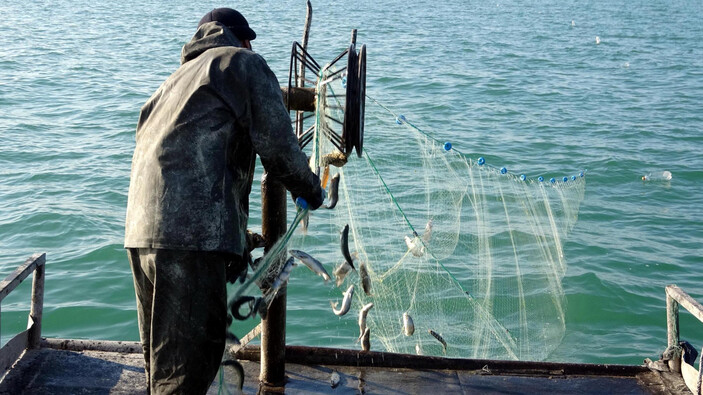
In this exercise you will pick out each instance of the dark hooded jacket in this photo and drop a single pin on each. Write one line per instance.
(197, 139)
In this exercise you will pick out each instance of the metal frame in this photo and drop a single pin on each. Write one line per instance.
(675, 296)
(30, 338)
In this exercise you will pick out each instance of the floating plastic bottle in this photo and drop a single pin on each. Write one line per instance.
(657, 176)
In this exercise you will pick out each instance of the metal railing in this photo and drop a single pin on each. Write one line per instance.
(31, 337)
(675, 296)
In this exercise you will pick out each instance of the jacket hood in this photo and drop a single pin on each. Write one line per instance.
(209, 35)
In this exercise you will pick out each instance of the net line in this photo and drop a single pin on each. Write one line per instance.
(488, 279)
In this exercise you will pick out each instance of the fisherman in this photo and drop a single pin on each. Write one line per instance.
(188, 204)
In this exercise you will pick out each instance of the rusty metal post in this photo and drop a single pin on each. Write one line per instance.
(301, 70)
(273, 327)
(672, 321)
(37, 307)
(672, 333)
(273, 225)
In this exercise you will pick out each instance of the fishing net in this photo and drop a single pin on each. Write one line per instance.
(471, 252)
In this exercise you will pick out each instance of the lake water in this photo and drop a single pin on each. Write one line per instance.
(524, 84)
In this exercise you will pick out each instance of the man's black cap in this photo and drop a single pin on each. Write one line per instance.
(233, 20)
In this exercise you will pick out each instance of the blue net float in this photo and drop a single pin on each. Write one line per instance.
(503, 170)
(523, 177)
(447, 146)
(540, 179)
(481, 161)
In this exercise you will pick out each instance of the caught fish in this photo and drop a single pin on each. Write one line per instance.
(362, 318)
(344, 242)
(282, 277)
(427, 234)
(418, 349)
(415, 245)
(334, 192)
(408, 324)
(439, 337)
(341, 271)
(365, 279)
(312, 263)
(305, 222)
(346, 302)
(334, 379)
(366, 340)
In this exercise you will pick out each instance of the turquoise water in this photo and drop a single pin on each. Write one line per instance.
(514, 82)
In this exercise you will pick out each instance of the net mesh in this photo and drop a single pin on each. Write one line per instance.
(469, 251)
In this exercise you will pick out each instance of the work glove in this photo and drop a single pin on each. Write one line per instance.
(254, 240)
(313, 201)
(318, 200)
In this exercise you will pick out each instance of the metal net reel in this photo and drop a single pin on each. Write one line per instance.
(336, 125)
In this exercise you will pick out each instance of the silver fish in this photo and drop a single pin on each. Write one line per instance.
(334, 192)
(439, 337)
(366, 340)
(415, 245)
(312, 263)
(418, 349)
(334, 379)
(408, 325)
(365, 279)
(341, 271)
(306, 221)
(344, 242)
(362, 318)
(427, 234)
(283, 276)
(346, 302)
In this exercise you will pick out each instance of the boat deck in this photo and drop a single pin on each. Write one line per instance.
(95, 367)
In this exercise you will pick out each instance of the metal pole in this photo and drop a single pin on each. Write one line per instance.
(672, 333)
(37, 307)
(273, 226)
(672, 321)
(273, 327)
(301, 72)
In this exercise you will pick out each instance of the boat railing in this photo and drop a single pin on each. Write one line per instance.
(31, 337)
(675, 296)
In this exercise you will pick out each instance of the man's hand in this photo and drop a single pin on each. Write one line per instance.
(315, 202)
(318, 202)
(254, 240)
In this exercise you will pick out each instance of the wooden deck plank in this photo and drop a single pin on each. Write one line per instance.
(61, 371)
